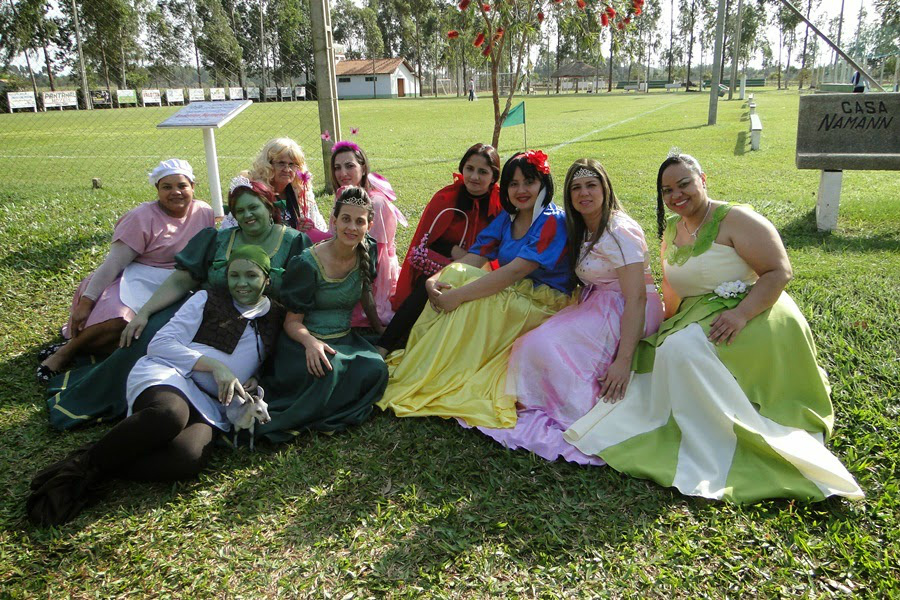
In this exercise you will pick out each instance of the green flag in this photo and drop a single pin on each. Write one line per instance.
(516, 116)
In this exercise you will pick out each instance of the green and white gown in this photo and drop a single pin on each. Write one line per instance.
(740, 422)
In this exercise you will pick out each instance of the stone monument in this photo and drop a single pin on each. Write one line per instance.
(839, 132)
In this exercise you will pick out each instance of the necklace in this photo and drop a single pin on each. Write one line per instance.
(693, 233)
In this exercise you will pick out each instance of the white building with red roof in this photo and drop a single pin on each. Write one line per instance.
(379, 78)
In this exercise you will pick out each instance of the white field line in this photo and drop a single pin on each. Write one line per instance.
(616, 124)
(105, 156)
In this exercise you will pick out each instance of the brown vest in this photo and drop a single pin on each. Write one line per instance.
(223, 326)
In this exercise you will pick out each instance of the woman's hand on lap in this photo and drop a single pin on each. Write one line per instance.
(317, 362)
(615, 382)
(726, 326)
(250, 385)
(447, 300)
(80, 315)
(133, 330)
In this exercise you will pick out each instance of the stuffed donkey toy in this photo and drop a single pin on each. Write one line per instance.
(243, 414)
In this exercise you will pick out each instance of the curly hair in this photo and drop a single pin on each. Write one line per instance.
(262, 169)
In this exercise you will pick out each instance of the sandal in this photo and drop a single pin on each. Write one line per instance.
(48, 351)
(45, 373)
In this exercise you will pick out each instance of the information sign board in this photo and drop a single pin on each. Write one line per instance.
(21, 100)
(252, 93)
(300, 92)
(101, 97)
(286, 93)
(196, 95)
(60, 99)
(272, 92)
(235, 93)
(206, 114)
(175, 96)
(216, 93)
(150, 97)
(126, 97)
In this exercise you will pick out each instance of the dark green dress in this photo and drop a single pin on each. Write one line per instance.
(301, 401)
(95, 392)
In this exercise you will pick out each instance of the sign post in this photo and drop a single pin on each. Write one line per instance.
(208, 116)
(836, 132)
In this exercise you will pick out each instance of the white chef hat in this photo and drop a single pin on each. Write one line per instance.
(172, 166)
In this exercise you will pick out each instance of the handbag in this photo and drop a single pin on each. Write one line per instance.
(419, 254)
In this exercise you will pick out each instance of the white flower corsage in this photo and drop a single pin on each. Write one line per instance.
(731, 289)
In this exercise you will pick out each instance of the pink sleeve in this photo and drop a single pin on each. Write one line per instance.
(384, 226)
(134, 229)
(624, 244)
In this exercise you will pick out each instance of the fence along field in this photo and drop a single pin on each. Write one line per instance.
(141, 62)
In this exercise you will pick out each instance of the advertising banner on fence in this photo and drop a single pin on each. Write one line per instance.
(235, 93)
(174, 96)
(196, 95)
(100, 97)
(21, 100)
(252, 93)
(272, 92)
(60, 99)
(126, 97)
(286, 93)
(216, 93)
(300, 92)
(150, 97)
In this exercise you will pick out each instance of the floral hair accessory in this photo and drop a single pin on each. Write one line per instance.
(343, 146)
(731, 289)
(304, 176)
(354, 130)
(326, 136)
(239, 181)
(539, 160)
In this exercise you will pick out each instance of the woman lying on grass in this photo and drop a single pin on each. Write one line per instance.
(176, 395)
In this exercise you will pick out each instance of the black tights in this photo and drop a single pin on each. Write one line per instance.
(165, 438)
(396, 333)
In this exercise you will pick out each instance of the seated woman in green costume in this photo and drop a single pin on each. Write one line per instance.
(344, 374)
(727, 401)
(203, 359)
(96, 393)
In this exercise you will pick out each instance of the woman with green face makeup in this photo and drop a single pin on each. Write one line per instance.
(94, 393)
(203, 359)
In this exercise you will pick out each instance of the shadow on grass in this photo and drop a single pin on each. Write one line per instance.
(740, 144)
(53, 256)
(624, 137)
(802, 233)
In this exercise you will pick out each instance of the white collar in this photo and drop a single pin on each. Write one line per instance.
(260, 309)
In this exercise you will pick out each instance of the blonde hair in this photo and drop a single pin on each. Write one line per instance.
(262, 170)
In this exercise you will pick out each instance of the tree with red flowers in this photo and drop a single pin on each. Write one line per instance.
(508, 26)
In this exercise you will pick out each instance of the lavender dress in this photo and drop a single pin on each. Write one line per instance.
(553, 369)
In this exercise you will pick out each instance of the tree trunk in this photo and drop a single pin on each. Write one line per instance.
(780, 46)
(805, 41)
(105, 69)
(611, 48)
(418, 56)
(671, 39)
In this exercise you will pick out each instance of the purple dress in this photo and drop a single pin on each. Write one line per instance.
(553, 370)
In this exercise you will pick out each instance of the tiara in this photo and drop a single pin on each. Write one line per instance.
(584, 172)
(674, 151)
(356, 201)
(344, 146)
(239, 181)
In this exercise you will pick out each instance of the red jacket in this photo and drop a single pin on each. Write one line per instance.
(444, 198)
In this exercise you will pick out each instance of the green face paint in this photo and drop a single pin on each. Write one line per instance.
(251, 214)
(246, 281)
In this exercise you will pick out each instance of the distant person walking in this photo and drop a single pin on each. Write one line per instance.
(859, 84)
(472, 90)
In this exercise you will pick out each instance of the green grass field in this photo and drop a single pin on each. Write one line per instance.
(421, 506)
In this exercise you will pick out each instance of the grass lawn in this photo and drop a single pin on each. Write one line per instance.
(421, 506)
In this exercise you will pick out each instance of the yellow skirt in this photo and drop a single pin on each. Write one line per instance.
(454, 364)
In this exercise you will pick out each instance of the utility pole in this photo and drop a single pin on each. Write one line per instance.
(262, 49)
(84, 83)
(326, 82)
(717, 65)
(736, 55)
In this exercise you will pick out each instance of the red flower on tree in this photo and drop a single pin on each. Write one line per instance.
(452, 34)
(638, 10)
(464, 4)
(581, 4)
(479, 40)
(486, 7)
(604, 20)
(498, 34)
(620, 25)
(486, 51)
(610, 11)
(540, 17)
(626, 20)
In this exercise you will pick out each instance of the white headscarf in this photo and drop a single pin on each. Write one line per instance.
(172, 166)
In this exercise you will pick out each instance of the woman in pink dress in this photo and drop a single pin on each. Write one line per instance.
(141, 256)
(350, 166)
(560, 370)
